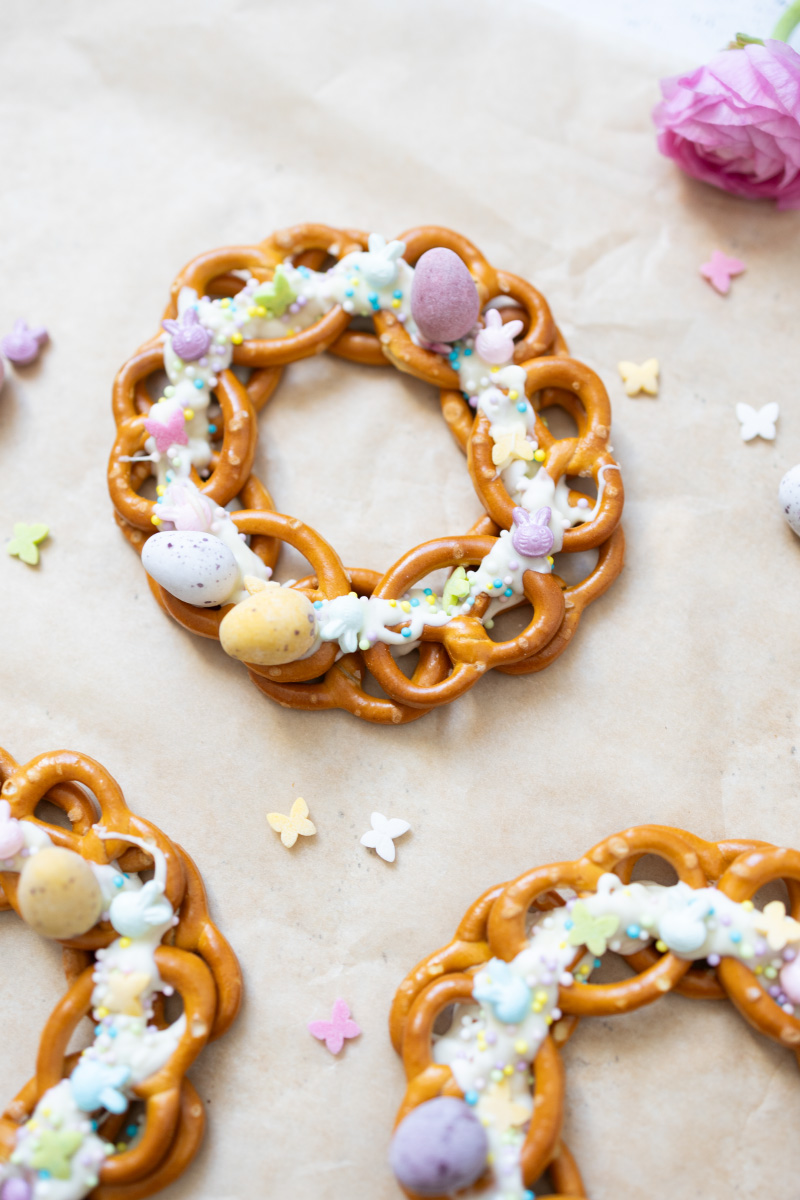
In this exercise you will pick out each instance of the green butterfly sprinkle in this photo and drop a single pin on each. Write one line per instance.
(591, 932)
(456, 588)
(277, 295)
(25, 542)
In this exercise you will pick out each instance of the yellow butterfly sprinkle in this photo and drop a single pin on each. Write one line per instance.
(296, 823)
(640, 378)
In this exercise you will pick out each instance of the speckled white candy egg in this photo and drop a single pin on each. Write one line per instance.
(789, 496)
(195, 567)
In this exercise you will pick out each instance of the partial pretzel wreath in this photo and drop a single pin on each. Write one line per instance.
(502, 924)
(193, 959)
(453, 657)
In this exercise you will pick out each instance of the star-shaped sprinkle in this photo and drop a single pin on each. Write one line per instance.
(591, 932)
(503, 1111)
(757, 422)
(170, 432)
(55, 1150)
(640, 377)
(381, 837)
(512, 445)
(340, 1027)
(720, 269)
(25, 542)
(124, 992)
(297, 823)
(776, 926)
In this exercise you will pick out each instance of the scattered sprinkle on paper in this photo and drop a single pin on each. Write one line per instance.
(720, 269)
(25, 542)
(757, 422)
(297, 823)
(381, 837)
(640, 377)
(23, 345)
(334, 1032)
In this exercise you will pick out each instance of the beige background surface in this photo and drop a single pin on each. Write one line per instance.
(132, 138)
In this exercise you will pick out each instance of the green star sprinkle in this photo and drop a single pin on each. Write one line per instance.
(55, 1150)
(456, 588)
(277, 295)
(25, 542)
(591, 932)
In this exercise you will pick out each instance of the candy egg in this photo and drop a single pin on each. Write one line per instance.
(790, 980)
(444, 299)
(16, 1188)
(58, 893)
(789, 496)
(273, 625)
(195, 567)
(439, 1148)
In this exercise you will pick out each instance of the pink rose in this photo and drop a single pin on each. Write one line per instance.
(735, 123)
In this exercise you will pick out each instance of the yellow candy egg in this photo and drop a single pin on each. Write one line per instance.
(273, 625)
(58, 893)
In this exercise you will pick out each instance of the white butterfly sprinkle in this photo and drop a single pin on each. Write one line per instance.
(757, 422)
(381, 837)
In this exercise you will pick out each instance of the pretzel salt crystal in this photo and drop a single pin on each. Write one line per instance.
(518, 973)
(261, 307)
(65, 1134)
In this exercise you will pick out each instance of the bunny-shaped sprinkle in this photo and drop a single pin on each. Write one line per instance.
(379, 265)
(343, 622)
(190, 340)
(508, 994)
(531, 535)
(134, 914)
(11, 838)
(95, 1084)
(495, 342)
(23, 344)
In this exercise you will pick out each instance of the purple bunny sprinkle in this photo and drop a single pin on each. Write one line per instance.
(531, 535)
(190, 340)
(23, 344)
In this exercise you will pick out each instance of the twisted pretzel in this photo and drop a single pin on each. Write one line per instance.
(452, 655)
(193, 960)
(703, 938)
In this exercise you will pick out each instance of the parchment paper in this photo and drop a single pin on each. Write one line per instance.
(135, 136)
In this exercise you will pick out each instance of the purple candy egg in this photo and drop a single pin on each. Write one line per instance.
(444, 299)
(16, 1189)
(439, 1147)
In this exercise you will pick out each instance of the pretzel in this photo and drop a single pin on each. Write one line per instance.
(441, 312)
(126, 946)
(491, 1086)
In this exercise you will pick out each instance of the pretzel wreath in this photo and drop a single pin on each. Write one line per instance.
(236, 317)
(120, 1120)
(484, 1102)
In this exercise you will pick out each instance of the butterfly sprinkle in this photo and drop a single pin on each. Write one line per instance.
(296, 824)
(720, 269)
(757, 422)
(25, 542)
(381, 837)
(640, 378)
(341, 1027)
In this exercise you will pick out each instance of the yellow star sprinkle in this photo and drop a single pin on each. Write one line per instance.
(640, 378)
(297, 823)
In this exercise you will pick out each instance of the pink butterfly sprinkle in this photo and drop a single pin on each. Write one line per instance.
(171, 432)
(334, 1032)
(720, 269)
